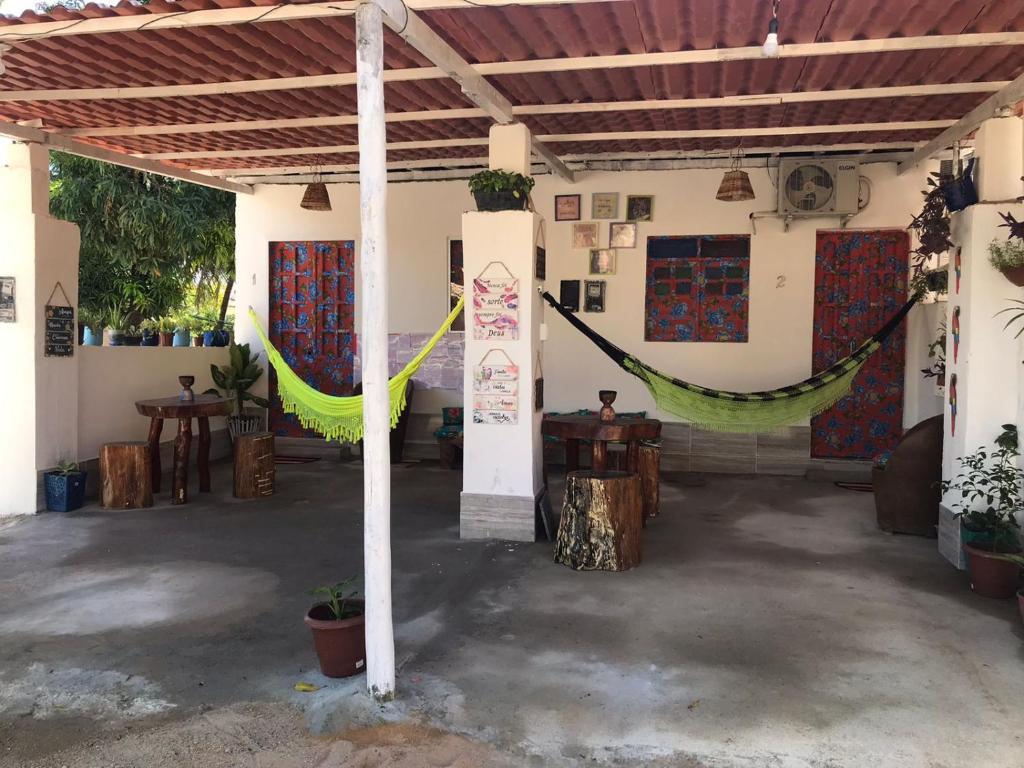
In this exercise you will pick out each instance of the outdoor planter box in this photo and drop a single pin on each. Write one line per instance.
(64, 493)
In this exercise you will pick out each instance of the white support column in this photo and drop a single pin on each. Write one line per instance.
(380, 638)
(502, 463)
(41, 422)
(987, 368)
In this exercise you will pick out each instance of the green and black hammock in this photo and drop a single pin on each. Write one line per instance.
(742, 411)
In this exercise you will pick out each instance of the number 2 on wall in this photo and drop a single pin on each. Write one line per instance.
(780, 281)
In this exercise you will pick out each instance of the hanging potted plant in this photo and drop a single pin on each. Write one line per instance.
(990, 498)
(339, 628)
(933, 236)
(500, 190)
(937, 353)
(1008, 257)
(235, 379)
(65, 487)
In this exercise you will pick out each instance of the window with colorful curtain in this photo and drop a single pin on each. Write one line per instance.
(698, 288)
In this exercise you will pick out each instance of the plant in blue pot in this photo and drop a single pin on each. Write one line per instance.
(92, 319)
(65, 487)
(182, 331)
(149, 333)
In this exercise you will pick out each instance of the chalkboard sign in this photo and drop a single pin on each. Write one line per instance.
(60, 331)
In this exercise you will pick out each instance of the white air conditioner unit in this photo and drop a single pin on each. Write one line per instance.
(818, 187)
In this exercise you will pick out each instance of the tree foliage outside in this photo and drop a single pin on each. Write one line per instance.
(149, 243)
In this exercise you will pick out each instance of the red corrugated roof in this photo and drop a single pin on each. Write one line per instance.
(280, 49)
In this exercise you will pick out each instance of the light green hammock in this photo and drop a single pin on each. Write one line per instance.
(341, 418)
(724, 411)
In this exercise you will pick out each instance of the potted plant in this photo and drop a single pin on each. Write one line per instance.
(198, 336)
(990, 498)
(65, 487)
(236, 378)
(933, 236)
(165, 327)
(338, 627)
(92, 335)
(132, 336)
(1018, 561)
(182, 332)
(500, 190)
(1008, 257)
(117, 323)
(148, 329)
(1016, 316)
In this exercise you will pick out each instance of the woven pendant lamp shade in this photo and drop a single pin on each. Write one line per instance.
(735, 187)
(316, 197)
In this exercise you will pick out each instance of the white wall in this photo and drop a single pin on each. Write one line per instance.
(111, 379)
(424, 215)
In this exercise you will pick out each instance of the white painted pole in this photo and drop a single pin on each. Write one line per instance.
(380, 638)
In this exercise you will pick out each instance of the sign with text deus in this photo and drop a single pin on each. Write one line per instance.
(60, 331)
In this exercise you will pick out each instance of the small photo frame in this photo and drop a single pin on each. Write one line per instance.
(604, 205)
(569, 295)
(593, 298)
(622, 234)
(602, 261)
(567, 208)
(640, 208)
(584, 235)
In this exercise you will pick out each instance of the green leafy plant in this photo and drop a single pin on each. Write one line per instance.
(1006, 254)
(937, 352)
(91, 318)
(117, 319)
(237, 377)
(66, 467)
(1016, 316)
(337, 597)
(932, 226)
(989, 485)
(166, 324)
(501, 181)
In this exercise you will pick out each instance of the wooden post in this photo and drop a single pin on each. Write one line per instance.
(125, 479)
(600, 525)
(380, 638)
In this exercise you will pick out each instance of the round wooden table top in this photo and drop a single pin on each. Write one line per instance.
(173, 408)
(622, 429)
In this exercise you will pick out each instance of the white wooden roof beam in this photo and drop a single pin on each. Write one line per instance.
(65, 144)
(1006, 96)
(566, 137)
(567, 64)
(767, 99)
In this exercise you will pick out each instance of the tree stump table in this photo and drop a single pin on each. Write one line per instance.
(201, 408)
(125, 475)
(600, 525)
(254, 465)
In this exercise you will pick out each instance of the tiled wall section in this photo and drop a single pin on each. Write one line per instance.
(441, 370)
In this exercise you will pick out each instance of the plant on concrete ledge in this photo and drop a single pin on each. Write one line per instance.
(1008, 257)
(500, 190)
(990, 498)
(236, 379)
(338, 627)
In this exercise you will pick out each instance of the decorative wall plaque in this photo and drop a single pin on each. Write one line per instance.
(495, 305)
(59, 335)
(496, 389)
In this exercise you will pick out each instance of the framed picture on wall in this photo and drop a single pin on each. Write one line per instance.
(584, 235)
(640, 208)
(604, 205)
(622, 234)
(602, 261)
(7, 314)
(594, 293)
(567, 208)
(569, 295)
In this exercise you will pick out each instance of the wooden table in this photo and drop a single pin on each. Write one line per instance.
(202, 408)
(623, 429)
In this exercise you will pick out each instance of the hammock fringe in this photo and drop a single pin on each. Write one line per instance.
(341, 418)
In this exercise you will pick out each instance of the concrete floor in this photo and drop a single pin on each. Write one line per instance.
(770, 624)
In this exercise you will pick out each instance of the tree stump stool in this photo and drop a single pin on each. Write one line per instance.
(254, 465)
(601, 520)
(650, 479)
(126, 480)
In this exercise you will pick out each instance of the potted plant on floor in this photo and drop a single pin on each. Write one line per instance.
(1018, 561)
(65, 487)
(339, 627)
(236, 379)
(990, 498)
(1008, 257)
(500, 190)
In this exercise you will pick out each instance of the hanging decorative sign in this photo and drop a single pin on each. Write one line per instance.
(958, 267)
(59, 336)
(496, 389)
(495, 305)
(955, 328)
(7, 314)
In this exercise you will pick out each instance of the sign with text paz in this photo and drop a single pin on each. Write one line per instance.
(60, 331)
(496, 390)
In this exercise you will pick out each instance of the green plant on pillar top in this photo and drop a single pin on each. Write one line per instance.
(237, 377)
(500, 190)
(990, 495)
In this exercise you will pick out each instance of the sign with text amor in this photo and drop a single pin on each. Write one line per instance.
(495, 391)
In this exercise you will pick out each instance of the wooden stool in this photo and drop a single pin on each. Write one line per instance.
(601, 519)
(650, 479)
(254, 465)
(126, 478)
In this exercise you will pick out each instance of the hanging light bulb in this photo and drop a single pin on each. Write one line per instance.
(771, 42)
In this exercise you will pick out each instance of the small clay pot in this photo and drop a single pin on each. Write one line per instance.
(991, 576)
(166, 338)
(198, 340)
(1015, 275)
(340, 644)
